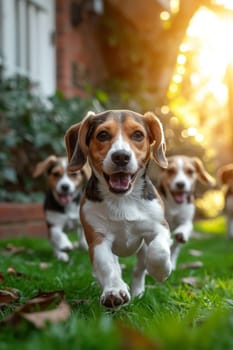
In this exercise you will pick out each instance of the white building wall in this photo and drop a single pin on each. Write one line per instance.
(27, 28)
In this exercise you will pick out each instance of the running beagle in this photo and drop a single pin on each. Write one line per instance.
(121, 212)
(176, 186)
(225, 175)
(61, 203)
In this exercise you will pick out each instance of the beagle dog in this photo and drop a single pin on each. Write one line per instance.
(177, 185)
(121, 212)
(225, 174)
(61, 203)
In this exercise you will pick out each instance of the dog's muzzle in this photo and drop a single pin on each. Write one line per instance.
(121, 179)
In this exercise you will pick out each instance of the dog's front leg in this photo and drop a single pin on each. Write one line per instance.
(158, 259)
(115, 291)
(60, 242)
(181, 236)
(82, 243)
(139, 273)
(183, 232)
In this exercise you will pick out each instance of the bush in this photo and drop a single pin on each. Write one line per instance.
(31, 128)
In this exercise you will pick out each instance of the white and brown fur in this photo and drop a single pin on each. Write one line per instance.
(121, 211)
(61, 204)
(177, 186)
(225, 175)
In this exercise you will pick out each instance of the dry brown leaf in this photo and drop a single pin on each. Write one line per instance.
(45, 306)
(44, 265)
(195, 252)
(8, 296)
(192, 281)
(42, 300)
(192, 265)
(134, 339)
(14, 250)
(39, 319)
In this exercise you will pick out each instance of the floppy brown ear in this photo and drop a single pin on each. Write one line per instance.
(157, 139)
(75, 139)
(43, 166)
(225, 173)
(203, 175)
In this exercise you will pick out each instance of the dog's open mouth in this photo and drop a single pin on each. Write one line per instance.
(65, 198)
(119, 182)
(180, 196)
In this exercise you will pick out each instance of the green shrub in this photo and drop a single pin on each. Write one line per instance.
(31, 128)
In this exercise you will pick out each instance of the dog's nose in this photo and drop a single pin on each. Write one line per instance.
(180, 185)
(65, 187)
(121, 158)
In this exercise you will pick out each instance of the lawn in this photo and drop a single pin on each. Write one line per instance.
(193, 309)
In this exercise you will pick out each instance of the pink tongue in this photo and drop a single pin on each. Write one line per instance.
(119, 181)
(65, 199)
(180, 197)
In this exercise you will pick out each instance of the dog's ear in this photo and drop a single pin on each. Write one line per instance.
(203, 175)
(75, 139)
(43, 166)
(157, 139)
(225, 173)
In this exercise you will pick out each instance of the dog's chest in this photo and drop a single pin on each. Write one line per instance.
(178, 214)
(123, 222)
(69, 218)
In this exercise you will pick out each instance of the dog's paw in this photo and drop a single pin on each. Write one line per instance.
(65, 244)
(158, 262)
(114, 298)
(62, 256)
(138, 291)
(179, 237)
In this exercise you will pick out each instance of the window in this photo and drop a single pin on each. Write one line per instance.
(26, 41)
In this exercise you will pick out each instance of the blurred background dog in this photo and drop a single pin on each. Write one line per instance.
(61, 204)
(176, 185)
(225, 174)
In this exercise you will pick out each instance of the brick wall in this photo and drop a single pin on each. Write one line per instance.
(17, 220)
(79, 58)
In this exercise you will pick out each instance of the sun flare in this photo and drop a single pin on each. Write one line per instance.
(201, 71)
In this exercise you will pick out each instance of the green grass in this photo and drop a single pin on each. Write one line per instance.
(171, 315)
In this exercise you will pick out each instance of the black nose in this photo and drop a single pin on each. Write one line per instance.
(180, 185)
(121, 158)
(65, 187)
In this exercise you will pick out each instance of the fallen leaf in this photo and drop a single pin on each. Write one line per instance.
(39, 319)
(195, 252)
(134, 339)
(44, 265)
(192, 265)
(12, 271)
(7, 296)
(192, 281)
(13, 249)
(44, 307)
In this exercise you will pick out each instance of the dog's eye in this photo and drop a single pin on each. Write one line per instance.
(103, 136)
(56, 174)
(171, 171)
(137, 136)
(73, 175)
(190, 172)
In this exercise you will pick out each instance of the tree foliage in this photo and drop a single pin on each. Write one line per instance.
(31, 128)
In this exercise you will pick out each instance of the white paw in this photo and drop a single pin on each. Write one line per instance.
(158, 262)
(138, 291)
(115, 297)
(62, 256)
(64, 244)
(180, 237)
